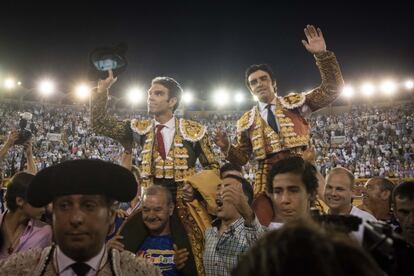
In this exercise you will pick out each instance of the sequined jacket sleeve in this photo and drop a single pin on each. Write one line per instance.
(332, 81)
(240, 152)
(207, 157)
(105, 124)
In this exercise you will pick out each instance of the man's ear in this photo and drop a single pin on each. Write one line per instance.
(385, 195)
(112, 213)
(20, 201)
(171, 209)
(172, 102)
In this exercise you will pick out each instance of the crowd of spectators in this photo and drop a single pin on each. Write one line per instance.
(373, 140)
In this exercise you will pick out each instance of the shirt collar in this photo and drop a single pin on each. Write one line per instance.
(262, 106)
(64, 261)
(170, 124)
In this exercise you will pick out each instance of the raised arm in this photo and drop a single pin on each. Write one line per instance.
(329, 70)
(102, 122)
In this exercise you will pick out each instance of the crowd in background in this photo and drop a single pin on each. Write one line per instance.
(374, 141)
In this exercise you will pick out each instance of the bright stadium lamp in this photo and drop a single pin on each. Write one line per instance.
(221, 97)
(46, 87)
(188, 97)
(9, 83)
(348, 92)
(239, 97)
(367, 89)
(134, 95)
(82, 91)
(409, 84)
(388, 87)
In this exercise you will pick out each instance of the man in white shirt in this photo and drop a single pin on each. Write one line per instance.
(338, 197)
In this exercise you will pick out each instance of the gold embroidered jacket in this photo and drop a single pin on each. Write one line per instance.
(255, 137)
(189, 144)
(38, 261)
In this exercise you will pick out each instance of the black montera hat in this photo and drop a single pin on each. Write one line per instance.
(104, 58)
(87, 176)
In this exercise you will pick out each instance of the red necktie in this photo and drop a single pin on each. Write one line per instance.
(160, 141)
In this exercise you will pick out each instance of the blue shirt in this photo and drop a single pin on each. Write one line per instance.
(159, 250)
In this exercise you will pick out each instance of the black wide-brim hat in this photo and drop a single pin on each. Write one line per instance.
(104, 58)
(87, 176)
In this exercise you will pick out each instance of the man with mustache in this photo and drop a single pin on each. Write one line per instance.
(276, 128)
(84, 195)
(152, 233)
(170, 148)
(235, 229)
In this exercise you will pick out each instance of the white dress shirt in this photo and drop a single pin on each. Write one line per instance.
(63, 263)
(167, 133)
(263, 111)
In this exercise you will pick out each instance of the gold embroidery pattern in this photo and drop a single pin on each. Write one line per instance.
(195, 235)
(293, 100)
(192, 131)
(142, 127)
(246, 121)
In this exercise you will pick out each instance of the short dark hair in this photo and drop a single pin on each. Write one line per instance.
(157, 189)
(230, 167)
(246, 186)
(18, 186)
(174, 88)
(404, 190)
(256, 67)
(286, 252)
(296, 165)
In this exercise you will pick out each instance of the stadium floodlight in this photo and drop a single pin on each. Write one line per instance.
(19, 83)
(221, 97)
(348, 91)
(367, 89)
(46, 87)
(82, 91)
(388, 87)
(135, 95)
(188, 97)
(239, 97)
(409, 84)
(9, 83)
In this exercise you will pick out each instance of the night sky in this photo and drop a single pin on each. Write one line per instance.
(204, 44)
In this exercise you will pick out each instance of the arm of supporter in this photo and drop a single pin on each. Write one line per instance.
(240, 152)
(253, 231)
(102, 122)
(329, 70)
(8, 144)
(31, 165)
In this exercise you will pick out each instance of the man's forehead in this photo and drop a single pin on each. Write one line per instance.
(258, 74)
(373, 182)
(80, 197)
(405, 202)
(158, 87)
